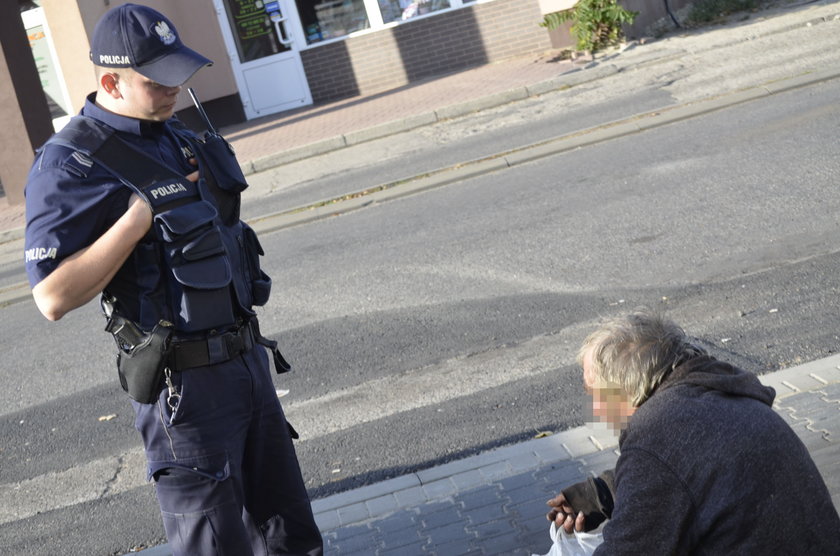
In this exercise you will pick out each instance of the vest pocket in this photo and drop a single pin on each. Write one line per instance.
(199, 287)
(185, 222)
(205, 300)
(261, 289)
(218, 155)
(206, 245)
(260, 281)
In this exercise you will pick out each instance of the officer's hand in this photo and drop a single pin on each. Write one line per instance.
(139, 212)
(193, 176)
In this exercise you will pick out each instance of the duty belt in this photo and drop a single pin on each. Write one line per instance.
(187, 354)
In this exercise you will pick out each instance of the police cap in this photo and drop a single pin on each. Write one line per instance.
(138, 37)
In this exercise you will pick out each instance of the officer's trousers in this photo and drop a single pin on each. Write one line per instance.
(226, 474)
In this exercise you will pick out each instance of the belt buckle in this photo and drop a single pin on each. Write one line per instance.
(245, 336)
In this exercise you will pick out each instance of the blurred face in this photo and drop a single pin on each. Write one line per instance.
(609, 402)
(142, 98)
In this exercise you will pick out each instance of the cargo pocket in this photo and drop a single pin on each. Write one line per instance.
(199, 505)
(200, 511)
(215, 466)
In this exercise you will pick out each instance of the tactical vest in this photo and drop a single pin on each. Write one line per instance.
(200, 270)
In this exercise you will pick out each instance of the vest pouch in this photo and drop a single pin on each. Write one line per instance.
(218, 155)
(205, 300)
(260, 281)
(185, 221)
(198, 290)
(261, 289)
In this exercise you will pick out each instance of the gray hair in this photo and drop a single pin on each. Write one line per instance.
(636, 352)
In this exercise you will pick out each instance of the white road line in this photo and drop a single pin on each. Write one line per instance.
(96, 479)
(454, 378)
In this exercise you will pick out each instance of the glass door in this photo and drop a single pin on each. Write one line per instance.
(263, 40)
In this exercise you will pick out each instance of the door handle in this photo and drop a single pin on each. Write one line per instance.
(281, 33)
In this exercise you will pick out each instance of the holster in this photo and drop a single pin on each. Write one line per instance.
(141, 368)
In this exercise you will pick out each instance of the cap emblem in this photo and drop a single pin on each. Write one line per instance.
(167, 36)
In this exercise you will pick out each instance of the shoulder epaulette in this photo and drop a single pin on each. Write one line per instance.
(82, 134)
(79, 163)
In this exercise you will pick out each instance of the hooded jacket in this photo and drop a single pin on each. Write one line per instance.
(708, 467)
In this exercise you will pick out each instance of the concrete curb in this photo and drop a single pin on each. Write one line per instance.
(14, 294)
(380, 499)
(11, 235)
(804, 378)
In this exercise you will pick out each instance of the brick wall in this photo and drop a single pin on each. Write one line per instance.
(424, 48)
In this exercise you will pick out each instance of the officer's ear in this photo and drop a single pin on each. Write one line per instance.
(108, 82)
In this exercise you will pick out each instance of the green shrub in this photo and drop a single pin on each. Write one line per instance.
(597, 23)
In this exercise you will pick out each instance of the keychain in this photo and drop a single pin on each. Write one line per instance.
(173, 397)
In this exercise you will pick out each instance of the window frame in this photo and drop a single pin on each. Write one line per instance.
(374, 15)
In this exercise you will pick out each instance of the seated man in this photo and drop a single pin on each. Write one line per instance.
(706, 464)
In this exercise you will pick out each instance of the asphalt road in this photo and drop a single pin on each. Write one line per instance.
(436, 326)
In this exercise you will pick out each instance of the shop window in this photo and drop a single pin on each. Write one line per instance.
(256, 36)
(402, 10)
(329, 19)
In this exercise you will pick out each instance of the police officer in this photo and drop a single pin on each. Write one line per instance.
(126, 202)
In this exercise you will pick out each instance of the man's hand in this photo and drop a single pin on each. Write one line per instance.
(193, 176)
(563, 515)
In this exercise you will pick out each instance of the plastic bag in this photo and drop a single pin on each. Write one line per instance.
(576, 544)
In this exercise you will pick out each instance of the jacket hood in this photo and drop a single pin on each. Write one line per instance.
(707, 372)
